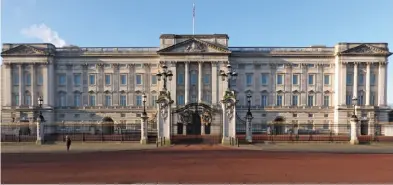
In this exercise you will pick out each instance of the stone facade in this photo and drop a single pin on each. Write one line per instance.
(300, 84)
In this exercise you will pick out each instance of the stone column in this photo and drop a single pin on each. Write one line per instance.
(187, 82)
(214, 83)
(33, 85)
(45, 86)
(40, 131)
(8, 81)
(273, 85)
(173, 83)
(115, 85)
(200, 81)
(144, 130)
(303, 85)
(355, 79)
(354, 130)
(381, 84)
(368, 73)
(70, 84)
(100, 85)
(248, 130)
(131, 84)
(21, 85)
(343, 79)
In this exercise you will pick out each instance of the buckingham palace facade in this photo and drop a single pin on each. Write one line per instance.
(298, 84)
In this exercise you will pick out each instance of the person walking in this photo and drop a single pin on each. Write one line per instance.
(68, 142)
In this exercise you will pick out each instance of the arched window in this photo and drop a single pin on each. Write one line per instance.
(27, 79)
(77, 99)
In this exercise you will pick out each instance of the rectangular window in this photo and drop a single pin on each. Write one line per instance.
(264, 79)
(372, 79)
(107, 79)
(206, 98)
(180, 100)
(153, 79)
(348, 100)
(360, 79)
(92, 66)
(108, 100)
(193, 99)
(139, 100)
(28, 79)
(264, 101)
(280, 65)
(92, 100)
(349, 79)
(279, 100)
(326, 101)
(326, 125)
(310, 101)
(15, 79)
(63, 101)
(62, 79)
(123, 100)
(153, 100)
(92, 79)
(249, 79)
(326, 79)
(123, 79)
(16, 99)
(40, 79)
(138, 79)
(372, 98)
(77, 79)
(193, 79)
(280, 79)
(360, 100)
(295, 79)
(310, 79)
(180, 79)
(77, 100)
(310, 65)
(206, 79)
(295, 100)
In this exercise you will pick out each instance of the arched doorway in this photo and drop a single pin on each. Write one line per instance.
(363, 128)
(195, 127)
(107, 125)
(278, 127)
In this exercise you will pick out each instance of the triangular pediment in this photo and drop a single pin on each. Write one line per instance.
(24, 50)
(366, 49)
(193, 46)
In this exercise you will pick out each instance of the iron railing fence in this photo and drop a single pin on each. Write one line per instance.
(314, 132)
(77, 132)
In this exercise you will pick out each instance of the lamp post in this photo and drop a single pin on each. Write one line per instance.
(166, 75)
(229, 75)
(144, 121)
(40, 126)
(354, 123)
(354, 103)
(248, 120)
(40, 102)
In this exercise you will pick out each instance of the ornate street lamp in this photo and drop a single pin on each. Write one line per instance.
(40, 102)
(354, 103)
(229, 75)
(248, 120)
(166, 74)
(144, 121)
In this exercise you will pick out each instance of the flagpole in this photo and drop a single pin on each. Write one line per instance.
(193, 18)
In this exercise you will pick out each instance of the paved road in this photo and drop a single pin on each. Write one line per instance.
(195, 164)
(322, 147)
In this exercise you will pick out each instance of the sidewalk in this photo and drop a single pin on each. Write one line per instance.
(321, 147)
(75, 147)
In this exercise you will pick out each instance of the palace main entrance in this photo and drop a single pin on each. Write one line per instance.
(196, 123)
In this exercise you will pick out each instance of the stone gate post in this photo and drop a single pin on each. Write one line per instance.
(164, 117)
(354, 130)
(229, 117)
(40, 131)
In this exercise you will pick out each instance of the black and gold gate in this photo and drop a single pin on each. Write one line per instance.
(196, 123)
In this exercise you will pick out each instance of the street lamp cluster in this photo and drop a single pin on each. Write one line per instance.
(166, 74)
(229, 75)
(40, 102)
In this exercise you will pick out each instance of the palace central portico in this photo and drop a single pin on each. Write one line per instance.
(311, 85)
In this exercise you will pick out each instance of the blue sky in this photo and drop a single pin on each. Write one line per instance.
(247, 22)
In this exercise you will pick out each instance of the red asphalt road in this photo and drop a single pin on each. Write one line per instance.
(196, 164)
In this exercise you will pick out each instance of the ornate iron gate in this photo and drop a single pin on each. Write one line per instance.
(196, 123)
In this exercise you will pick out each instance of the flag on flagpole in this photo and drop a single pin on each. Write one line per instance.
(193, 10)
(193, 18)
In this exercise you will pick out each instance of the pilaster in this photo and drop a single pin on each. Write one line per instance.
(173, 83)
(21, 85)
(187, 82)
(200, 81)
(382, 86)
(368, 73)
(355, 79)
(214, 82)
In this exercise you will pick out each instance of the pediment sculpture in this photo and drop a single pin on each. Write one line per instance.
(195, 47)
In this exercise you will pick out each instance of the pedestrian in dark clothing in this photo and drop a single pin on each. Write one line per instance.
(68, 143)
